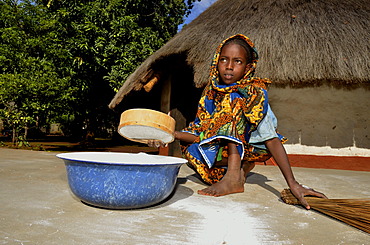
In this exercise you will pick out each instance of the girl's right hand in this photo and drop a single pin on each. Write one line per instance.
(156, 143)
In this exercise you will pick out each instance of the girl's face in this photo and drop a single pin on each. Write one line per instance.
(232, 64)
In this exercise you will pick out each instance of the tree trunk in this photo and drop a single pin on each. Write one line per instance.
(14, 136)
(25, 132)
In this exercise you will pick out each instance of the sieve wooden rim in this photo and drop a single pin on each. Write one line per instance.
(149, 118)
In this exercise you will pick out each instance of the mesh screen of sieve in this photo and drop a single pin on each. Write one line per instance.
(141, 132)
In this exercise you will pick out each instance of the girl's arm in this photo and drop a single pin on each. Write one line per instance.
(185, 137)
(279, 154)
(182, 136)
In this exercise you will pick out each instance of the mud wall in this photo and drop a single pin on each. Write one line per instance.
(323, 116)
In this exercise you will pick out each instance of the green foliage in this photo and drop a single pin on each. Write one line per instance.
(33, 85)
(113, 37)
(62, 61)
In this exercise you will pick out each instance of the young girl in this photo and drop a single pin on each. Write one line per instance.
(235, 125)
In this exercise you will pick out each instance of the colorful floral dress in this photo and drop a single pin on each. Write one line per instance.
(237, 112)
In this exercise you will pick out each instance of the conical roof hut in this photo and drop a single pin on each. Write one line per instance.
(301, 43)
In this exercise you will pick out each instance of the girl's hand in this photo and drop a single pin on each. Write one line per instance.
(299, 191)
(156, 143)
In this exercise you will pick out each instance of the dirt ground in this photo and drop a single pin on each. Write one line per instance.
(38, 207)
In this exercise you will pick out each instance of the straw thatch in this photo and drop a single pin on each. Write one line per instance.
(300, 42)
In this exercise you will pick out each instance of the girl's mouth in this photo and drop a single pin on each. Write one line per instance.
(228, 76)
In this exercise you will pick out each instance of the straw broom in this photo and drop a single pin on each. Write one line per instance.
(354, 212)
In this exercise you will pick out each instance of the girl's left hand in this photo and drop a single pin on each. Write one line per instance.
(300, 191)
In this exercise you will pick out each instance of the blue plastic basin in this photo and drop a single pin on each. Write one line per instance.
(121, 180)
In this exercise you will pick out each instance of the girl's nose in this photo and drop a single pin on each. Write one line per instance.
(229, 66)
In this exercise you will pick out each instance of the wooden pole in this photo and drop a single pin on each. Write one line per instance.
(166, 107)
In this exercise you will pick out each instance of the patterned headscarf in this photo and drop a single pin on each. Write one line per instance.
(248, 76)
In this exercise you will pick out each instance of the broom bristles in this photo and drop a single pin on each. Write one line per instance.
(354, 212)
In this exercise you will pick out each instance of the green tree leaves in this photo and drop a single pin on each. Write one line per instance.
(31, 80)
(62, 61)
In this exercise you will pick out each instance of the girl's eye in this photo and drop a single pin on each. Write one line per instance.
(222, 60)
(239, 62)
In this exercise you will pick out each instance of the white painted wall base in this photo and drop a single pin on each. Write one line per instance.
(326, 150)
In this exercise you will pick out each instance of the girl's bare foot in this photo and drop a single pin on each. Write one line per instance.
(232, 182)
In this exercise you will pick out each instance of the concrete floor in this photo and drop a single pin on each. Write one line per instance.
(37, 207)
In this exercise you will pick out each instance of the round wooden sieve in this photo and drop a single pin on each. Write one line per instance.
(141, 125)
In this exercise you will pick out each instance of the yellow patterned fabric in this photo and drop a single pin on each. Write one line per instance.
(226, 113)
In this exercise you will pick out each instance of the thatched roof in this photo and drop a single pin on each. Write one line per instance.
(300, 42)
